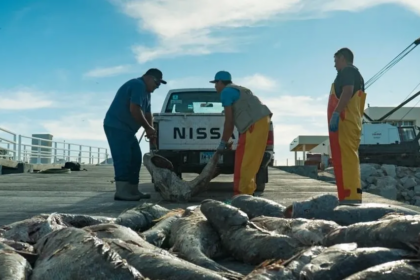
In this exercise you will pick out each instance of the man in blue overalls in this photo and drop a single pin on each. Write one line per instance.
(129, 111)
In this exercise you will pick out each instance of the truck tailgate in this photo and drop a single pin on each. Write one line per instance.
(191, 131)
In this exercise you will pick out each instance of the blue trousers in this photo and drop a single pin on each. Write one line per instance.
(126, 154)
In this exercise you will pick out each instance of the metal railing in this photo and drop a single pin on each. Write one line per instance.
(44, 151)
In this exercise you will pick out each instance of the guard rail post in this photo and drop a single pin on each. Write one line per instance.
(90, 155)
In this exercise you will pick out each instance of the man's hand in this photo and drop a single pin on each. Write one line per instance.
(150, 133)
(229, 145)
(334, 122)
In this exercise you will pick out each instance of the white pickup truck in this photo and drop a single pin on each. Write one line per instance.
(189, 128)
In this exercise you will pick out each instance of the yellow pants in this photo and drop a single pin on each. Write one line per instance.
(249, 155)
(344, 145)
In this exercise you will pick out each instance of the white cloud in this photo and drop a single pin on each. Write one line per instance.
(24, 99)
(76, 127)
(108, 71)
(258, 82)
(191, 27)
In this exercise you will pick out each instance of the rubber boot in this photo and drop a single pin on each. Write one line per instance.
(126, 191)
(142, 194)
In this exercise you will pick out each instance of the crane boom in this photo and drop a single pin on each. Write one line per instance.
(386, 68)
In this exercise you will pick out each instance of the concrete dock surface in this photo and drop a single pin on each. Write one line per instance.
(91, 192)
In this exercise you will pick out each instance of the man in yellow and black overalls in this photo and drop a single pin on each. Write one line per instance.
(345, 111)
(251, 117)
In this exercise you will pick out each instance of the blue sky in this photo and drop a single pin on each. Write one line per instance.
(61, 64)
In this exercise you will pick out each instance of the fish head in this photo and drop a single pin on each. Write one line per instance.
(222, 215)
(152, 162)
(306, 208)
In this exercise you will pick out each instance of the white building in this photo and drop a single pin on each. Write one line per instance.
(405, 116)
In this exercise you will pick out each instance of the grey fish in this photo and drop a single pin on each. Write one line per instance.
(243, 239)
(400, 232)
(13, 266)
(170, 186)
(308, 208)
(194, 239)
(301, 259)
(258, 206)
(73, 253)
(396, 270)
(350, 214)
(307, 232)
(285, 270)
(155, 265)
(343, 260)
(24, 249)
(270, 272)
(159, 234)
(141, 218)
(20, 246)
(118, 232)
(80, 220)
(32, 229)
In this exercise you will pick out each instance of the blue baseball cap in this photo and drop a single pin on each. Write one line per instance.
(222, 76)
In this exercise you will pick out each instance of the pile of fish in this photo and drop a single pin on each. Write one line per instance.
(311, 239)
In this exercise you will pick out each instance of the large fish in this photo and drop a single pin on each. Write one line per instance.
(80, 220)
(275, 271)
(285, 270)
(396, 270)
(400, 232)
(13, 266)
(312, 206)
(159, 234)
(258, 206)
(142, 217)
(73, 253)
(322, 207)
(24, 249)
(156, 265)
(296, 263)
(20, 246)
(307, 232)
(118, 232)
(243, 239)
(32, 229)
(194, 239)
(170, 186)
(343, 260)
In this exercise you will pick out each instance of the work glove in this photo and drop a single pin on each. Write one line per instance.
(222, 146)
(334, 121)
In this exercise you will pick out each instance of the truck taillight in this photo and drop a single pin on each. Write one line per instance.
(270, 140)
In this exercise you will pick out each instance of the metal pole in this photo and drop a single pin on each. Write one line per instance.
(90, 155)
(14, 147)
(55, 152)
(19, 147)
(39, 152)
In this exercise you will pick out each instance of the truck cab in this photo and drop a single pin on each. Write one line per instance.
(189, 129)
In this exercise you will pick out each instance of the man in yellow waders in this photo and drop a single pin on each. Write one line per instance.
(345, 111)
(252, 119)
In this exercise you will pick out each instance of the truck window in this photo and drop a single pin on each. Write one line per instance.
(194, 102)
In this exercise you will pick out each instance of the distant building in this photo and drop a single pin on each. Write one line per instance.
(405, 116)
